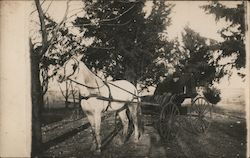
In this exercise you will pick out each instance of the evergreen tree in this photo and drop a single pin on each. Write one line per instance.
(199, 57)
(127, 44)
(196, 67)
(233, 34)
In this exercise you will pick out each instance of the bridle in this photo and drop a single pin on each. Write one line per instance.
(76, 67)
(77, 63)
(97, 87)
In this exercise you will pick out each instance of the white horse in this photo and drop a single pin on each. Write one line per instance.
(91, 86)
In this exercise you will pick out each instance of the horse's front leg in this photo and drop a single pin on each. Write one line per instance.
(91, 117)
(125, 123)
(133, 112)
(92, 124)
(97, 131)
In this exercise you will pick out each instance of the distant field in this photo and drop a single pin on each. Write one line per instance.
(233, 95)
(55, 99)
(233, 100)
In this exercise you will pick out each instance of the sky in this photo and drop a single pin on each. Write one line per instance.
(184, 13)
(189, 13)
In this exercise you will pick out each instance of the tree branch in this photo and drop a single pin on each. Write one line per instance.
(48, 7)
(61, 90)
(43, 26)
(111, 19)
(117, 17)
(130, 1)
(74, 14)
(107, 48)
(117, 24)
(54, 33)
(36, 9)
(90, 24)
(37, 23)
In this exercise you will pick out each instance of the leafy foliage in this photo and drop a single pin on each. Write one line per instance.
(233, 34)
(212, 94)
(59, 50)
(127, 44)
(196, 67)
(199, 60)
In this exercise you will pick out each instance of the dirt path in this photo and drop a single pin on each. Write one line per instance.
(225, 138)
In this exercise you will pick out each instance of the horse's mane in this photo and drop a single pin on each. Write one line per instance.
(89, 74)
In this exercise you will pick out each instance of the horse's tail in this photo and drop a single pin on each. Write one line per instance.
(139, 113)
(139, 104)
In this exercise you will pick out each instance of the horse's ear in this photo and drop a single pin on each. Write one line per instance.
(79, 57)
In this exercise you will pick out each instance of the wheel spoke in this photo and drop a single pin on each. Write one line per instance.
(201, 124)
(206, 124)
(169, 124)
(200, 113)
(202, 105)
(206, 111)
(199, 127)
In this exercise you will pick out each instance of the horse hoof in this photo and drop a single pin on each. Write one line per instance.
(97, 152)
(136, 140)
(93, 148)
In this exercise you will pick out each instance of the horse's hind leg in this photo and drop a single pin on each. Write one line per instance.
(133, 107)
(124, 119)
(92, 124)
(97, 117)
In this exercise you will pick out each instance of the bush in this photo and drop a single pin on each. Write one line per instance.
(212, 94)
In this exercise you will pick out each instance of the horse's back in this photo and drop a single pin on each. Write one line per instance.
(122, 88)
(124, 84)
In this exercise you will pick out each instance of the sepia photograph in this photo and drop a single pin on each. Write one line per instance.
(134, 78)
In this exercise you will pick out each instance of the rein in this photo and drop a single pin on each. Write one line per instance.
(125, 90)
(109, 99)
(90, 87)
(105, 83)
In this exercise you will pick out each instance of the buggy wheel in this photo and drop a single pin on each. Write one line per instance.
(200, 115)
(169, 121)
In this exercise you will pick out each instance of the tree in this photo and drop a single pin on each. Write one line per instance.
(127, 44)
(69, 90)
(233, 35)
(39, 67)
(199, 57)
(195, 64)
(54, 45)
(66, 93)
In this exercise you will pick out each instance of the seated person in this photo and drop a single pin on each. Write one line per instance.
(171, 86)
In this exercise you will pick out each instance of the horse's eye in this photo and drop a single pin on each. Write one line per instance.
(74, 67)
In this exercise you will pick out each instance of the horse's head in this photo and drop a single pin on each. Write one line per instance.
(68, 69)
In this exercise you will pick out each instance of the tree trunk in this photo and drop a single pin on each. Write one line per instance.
(37, 103)
(66, 103)
(130, 74)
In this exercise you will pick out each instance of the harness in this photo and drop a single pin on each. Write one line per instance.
(109, 99)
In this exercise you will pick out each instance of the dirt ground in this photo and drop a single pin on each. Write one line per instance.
(226, 137)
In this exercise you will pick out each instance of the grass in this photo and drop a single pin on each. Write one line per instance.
(54, 115)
